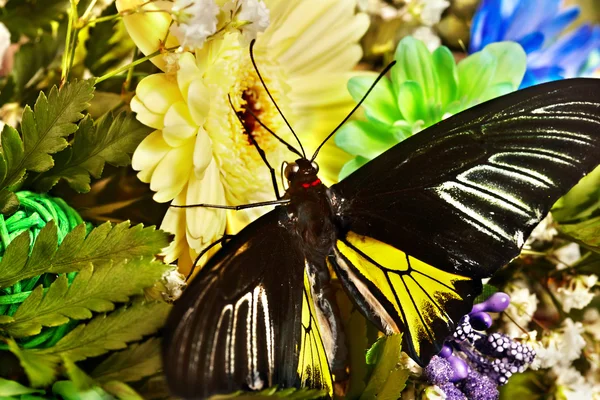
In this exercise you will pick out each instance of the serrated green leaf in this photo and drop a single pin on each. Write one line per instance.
(121, 391)
(80, 379)
(385, 354)
(101, 335)
(12, 388)
(111, 140)
(44, 130)
(136, 362)
(394, 385)
(9, 203)
(92, 290)
(40, 368)
(105, 243)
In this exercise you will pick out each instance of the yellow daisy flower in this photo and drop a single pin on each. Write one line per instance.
(199, 152)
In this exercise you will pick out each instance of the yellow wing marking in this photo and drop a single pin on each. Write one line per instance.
(313, 367)
(417, 291)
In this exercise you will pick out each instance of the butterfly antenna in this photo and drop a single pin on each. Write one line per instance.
(271, 97)
(381, 75)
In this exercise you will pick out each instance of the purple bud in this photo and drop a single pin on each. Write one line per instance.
(479, 307)
(480, 387)
(480, 320)
(497, 302)
(438, 371)
(446, 351)
(460, 367)
(452, 392)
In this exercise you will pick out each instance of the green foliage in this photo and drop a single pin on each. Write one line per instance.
(486, 292)
(388, 378)
(586, 232)
(104, 244)
(121, 391)
(111, 140)
(12, 388)
(80, 379)
(102, 334)
(136, 362)
(43, 132)
(92, 290)
(291, 393)
(108, 45)
(28, 17)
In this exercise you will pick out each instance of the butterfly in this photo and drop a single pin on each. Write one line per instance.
(409, 236)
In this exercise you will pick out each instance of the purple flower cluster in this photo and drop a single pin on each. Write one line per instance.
(472, 364)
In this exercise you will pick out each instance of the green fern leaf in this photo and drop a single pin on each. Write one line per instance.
(101, 335)
(136, 362)
(92, 290)
(104, 244)
(112, 140)
(44, 130)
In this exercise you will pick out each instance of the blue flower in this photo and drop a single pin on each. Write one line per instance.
(538, 26)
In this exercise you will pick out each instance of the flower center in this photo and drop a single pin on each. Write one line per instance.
(251, 110)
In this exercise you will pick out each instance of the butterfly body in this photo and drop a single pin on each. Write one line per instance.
(409, 236)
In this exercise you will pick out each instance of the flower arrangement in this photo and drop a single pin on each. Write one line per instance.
(117, 115)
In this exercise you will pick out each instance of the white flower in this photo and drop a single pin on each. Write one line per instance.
(571, 385)
(427, 36)
(174, 283)
(572, 341)
(547, 350)
(432, 11)
(543, 232)
(577, 292)
(567, 256)
(523, 305)
(195, 21)
(254, 15)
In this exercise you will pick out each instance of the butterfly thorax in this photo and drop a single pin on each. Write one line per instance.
(310, 210)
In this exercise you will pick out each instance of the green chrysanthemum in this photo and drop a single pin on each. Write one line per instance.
(423, 89)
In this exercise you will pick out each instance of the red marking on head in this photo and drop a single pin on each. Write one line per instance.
(316, 182)
(306, 185)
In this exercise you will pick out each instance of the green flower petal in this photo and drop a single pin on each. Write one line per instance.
(412, 102)
(381, 102)
(497, 90)
(511, 63)
(366, 139)
(352, 166)
(414, 63)
(474, 75)
(447, 74)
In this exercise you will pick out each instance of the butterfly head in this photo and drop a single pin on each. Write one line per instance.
(302, 173)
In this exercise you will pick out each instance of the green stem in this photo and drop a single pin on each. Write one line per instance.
(70, 43)
(133, 64)
(127, 83)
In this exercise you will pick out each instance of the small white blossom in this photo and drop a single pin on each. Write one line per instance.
(174, 283)
(543, 232)
(250, 16)
(523, 305)
(567, 256)
(571, 385)
(573, 342)
(427, 36)
(547, 350)
(432, 11)
(577, 292)
(410, 364)
(195, 21)
(4, 42)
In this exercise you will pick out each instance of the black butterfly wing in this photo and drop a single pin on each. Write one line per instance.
(247, 321)
(457, 201)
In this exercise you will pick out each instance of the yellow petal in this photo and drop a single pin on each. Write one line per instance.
(187, 73)
(205, 225)
(198, 101)
(146, 116)
(148, 29)
(203, 153)
(174, 222)
(158, 92)
(172, 172)
(179, 125)
(148, 154)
